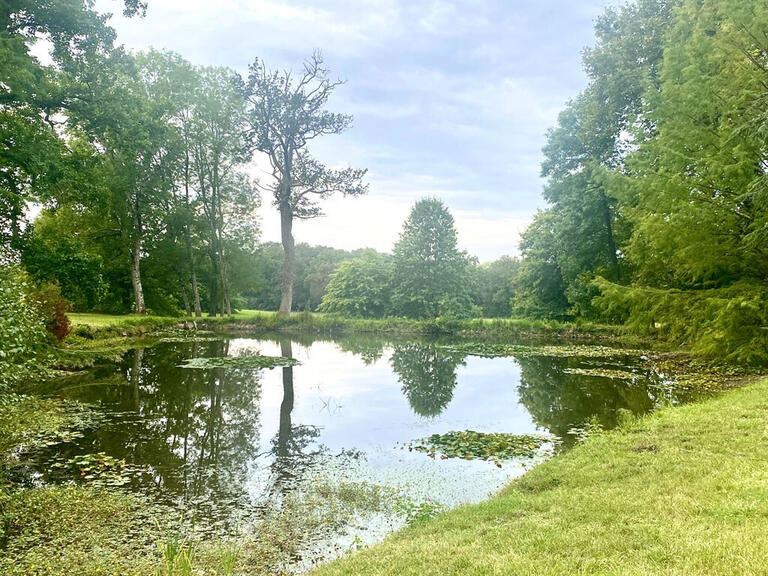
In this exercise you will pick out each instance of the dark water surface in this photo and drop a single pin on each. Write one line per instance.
(229, 444)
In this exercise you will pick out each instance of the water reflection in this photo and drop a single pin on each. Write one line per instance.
(427, 376)
(294, 447)
(232, 443)
(562, 399)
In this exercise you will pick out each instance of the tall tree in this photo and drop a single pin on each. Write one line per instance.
(431, 275)
(218, 149)
(35, 97)
(138, 141)
(286, 112)
(579, 237)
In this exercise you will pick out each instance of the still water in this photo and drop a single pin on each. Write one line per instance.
(230, 444)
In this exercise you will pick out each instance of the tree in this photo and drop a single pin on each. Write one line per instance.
(218, 149)
(431, 275)
(58, 249)
(285, 114)
(360, 287)
(495, 286)
(139, 145)
(35, 97)
(585, 226)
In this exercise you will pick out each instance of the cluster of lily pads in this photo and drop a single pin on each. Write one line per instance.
(256, 362)
(614, 374)
(471, 445)
(491, 350)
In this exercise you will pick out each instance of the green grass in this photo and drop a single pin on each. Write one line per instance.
(680, 492)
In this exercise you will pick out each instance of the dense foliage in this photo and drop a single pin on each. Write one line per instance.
(360, 287)
(426, 277)
(431, 277)
(656, 181)
(22, 329)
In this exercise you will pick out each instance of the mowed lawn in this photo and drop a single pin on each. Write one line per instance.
(683, 491)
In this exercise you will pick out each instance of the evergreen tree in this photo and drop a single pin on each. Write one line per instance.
(431, 275)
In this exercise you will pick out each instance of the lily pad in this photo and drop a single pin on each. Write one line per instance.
(101, 469)
(471, 445)
(256, 362)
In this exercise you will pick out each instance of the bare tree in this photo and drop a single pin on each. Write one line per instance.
(285, 113)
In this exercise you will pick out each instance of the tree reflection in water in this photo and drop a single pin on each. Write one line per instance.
(559, 401)
(290, 447)
(427, 376)
(192, 432)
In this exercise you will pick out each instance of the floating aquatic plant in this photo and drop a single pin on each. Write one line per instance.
(471, 445)
(256, 362)
(489, 350)
(603, 373)
(101, 469)
(191, 339)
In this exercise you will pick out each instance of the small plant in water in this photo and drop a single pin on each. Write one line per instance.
(101, 469)
(415, 512)
(178, 556)
(228, 553)
(591, 427)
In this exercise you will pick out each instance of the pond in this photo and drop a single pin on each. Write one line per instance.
(330, 440)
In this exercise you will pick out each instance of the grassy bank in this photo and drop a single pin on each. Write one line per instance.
(254, 321)
(682, 491)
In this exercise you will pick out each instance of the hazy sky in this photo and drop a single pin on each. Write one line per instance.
(450, 98)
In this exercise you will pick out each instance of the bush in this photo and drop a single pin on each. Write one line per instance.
(22, 329)
(729, 322)
(54, 309)
(360, 287)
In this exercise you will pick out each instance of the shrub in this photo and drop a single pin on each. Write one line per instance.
(54, 309)
(729, 322)
(22, 329)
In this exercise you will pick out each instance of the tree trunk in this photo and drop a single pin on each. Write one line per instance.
(193, 274)
(224, 282)
(138, 291)
(611, 240)
(289, 253)
(196, 295)
(187, 235)
(185, 299)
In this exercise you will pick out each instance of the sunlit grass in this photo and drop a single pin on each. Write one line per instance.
(683, 491)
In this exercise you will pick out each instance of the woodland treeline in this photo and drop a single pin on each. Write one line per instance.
(656, 181)
(656, 190)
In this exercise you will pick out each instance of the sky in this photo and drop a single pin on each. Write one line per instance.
(450, 98)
